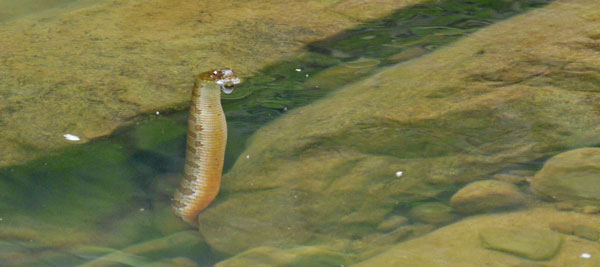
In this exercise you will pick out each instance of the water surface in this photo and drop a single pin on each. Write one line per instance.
(108, 200)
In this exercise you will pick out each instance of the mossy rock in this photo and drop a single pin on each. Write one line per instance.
(535, 245)
(485, 196)
(572, 176)
(525, 231)
(433, 213)
(181, 244)
(298, 257)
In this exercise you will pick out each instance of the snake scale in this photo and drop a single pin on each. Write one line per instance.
(205, 149)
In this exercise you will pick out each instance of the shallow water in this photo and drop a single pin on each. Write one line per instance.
(107, 201)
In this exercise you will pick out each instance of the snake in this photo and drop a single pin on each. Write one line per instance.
(205, 145)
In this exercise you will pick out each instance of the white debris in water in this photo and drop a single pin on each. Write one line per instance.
(157, 113)
(399, 174)
(1, 219)
(142, 209)
(306, 75)
(585, 255)
(71, 137)
(248, 156)
(298, 70)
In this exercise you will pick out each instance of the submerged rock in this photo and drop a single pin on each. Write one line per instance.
(181, 244)
(433, 213)
(564, 206)
(459, 244)
(572, 176)
(483, 196)
(392, 223)
(562, 227)
(513, 179)
(571, 228)
(340, 75)
(174, 262)
(587, 232)
(301, 257)
(590, 209)
(507, 94)
(535, 245)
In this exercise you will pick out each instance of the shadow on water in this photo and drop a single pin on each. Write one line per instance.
(353, 54)
(88, 187)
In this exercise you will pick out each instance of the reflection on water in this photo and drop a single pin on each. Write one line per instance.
(379, 142)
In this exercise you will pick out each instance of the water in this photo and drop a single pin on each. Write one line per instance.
(325, 188)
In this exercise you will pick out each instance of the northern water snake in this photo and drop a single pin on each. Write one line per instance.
(205, 149)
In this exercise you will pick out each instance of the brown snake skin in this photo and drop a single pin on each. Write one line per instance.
(205, 149)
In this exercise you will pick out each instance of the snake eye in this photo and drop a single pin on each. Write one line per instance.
(227, 87)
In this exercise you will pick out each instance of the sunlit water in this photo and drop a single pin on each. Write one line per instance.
(109, 199)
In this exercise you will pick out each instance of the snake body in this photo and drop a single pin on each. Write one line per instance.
(205, 149)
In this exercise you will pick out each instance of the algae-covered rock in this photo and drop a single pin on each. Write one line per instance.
(370, 241)
(564, 206)
(590, 209)
(483, 196)
(513, 179)
(505, 95)
(174, 262)
(562, 227)
(402, 258)
(181, 244)
(301, 256)
(581, 230)
(572, 176)
(391, 223)
(342, 74)
(536, 245)
(12, 9)
(84, 68)
(368, 10)
(459, 244)
(586, 231)
(433, 213)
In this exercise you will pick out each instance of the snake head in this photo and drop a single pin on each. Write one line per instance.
(223, 77)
